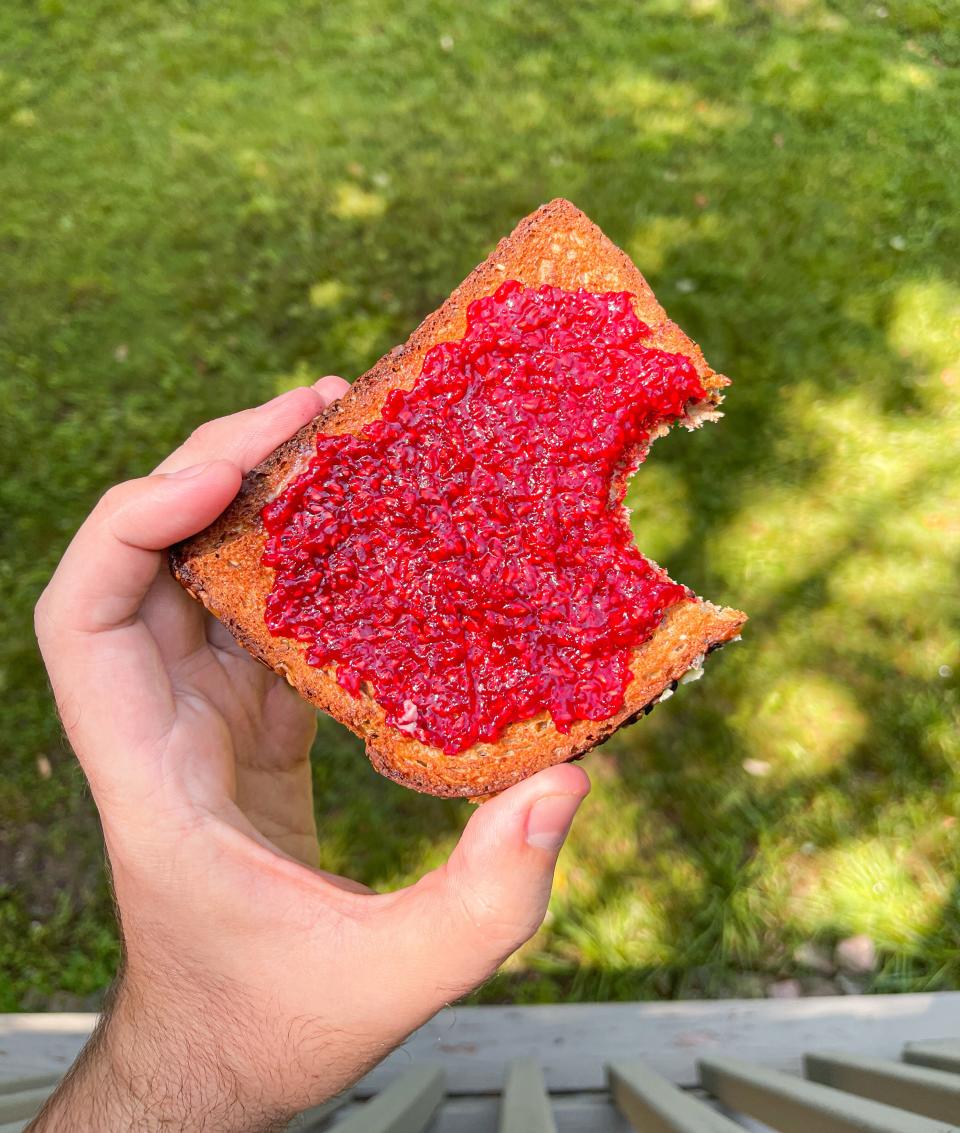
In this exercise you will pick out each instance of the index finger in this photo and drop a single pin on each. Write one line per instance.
(248, 437)
(102, 577)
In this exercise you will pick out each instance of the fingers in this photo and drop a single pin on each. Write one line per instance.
(114, 557)
(250, 436)
(244, 438)
(111, 685)
(112, 560)
(107, 649)
(492, 894)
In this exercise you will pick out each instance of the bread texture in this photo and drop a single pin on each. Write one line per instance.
(221, 567)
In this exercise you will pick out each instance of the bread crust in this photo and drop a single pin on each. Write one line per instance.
(221, 565)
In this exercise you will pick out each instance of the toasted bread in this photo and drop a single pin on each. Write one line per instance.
(222, 568)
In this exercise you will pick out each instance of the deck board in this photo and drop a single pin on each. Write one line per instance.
(796, 1105)
(574, 1042)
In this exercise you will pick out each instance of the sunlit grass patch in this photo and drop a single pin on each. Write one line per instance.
(665, 108)
(351, 202)
(801, 724)
(327, 293)
(925, 328)
(868, 886)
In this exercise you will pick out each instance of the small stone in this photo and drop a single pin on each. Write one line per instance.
(44, 768)
(701, 200)
(663, 984)
(748, 985)
(756, 767)
(686, 285)
(446, 43)
(818, 986)
(856, 955)
(898, 243)
(848, 985)
(814, 957)
(122, 352)
(945, 671)
(784, 989)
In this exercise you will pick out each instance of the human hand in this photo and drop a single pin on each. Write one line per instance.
(254, 984)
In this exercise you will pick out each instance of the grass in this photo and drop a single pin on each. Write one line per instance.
(203, 205)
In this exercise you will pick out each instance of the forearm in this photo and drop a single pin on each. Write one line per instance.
(146, 1073)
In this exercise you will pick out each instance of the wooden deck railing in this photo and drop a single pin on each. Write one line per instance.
(876, 1064)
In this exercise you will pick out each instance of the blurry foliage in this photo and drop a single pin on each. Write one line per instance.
(203, 205)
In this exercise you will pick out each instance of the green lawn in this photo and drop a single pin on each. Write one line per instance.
(205, 204)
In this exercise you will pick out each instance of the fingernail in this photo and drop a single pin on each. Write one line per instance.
(549, 820)
(190, 471)
(327, 394)
(329, 378)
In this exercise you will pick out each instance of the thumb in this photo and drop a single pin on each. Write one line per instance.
(492, 894)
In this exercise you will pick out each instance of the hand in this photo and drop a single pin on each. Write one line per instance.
(254, 984)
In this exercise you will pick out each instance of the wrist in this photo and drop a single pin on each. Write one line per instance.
(150, 1068)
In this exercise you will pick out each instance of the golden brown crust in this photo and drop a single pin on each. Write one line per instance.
(221, 566)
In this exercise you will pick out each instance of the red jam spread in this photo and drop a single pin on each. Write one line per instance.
(465, 559)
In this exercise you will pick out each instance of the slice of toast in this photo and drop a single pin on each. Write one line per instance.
(221, 566)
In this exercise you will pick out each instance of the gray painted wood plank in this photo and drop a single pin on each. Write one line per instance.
(793, 1105)
(588, 1113)
(39, 1043)
(405, 1106)
(574, 1042)
(653, 1104)
(934, 1093)
(739, 1119)
(318, 1116)
(942, 1055)
(23, 1104)
(525, 1107)
(467, 1115)
(574, 1113)
(28, 1082)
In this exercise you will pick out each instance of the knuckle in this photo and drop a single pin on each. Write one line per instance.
(504, 929)
(112, 499)
(202, 433)
(42, 614)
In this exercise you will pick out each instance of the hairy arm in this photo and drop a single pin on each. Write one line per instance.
(169, 1072)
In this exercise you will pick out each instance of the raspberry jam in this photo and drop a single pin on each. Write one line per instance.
(466, 558)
